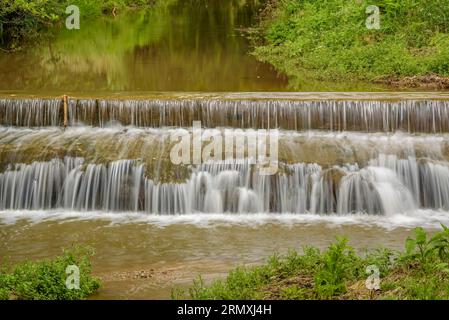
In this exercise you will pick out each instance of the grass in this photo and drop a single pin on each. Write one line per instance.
(328, 40)
(46, 280)
(421, 271)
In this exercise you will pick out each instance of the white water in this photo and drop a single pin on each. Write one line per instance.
(228, 187)
(427, 116)
(429, 219)
(370, 116)
(322, 172)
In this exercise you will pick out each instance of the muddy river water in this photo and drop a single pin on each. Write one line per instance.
(139, 257)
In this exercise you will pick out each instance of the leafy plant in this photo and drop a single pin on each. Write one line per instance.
(423, 249)
(440, 242)
(418, 246)
(330, 279)
(46, 280)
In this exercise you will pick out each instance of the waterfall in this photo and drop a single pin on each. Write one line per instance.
(435, 185)
(425, 116)
(374, 190)
(33, 186)
(324, 165)
(82, 112)
(368, 116)
(30, 112)
(225, 187)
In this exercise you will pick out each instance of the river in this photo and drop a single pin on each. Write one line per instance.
(368, 166)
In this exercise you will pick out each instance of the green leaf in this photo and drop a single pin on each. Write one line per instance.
(441, 266)
(421, 236)
(410, 245)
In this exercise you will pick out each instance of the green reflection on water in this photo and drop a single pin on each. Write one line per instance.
(189, 45)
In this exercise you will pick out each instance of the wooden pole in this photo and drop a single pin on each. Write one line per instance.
(66, 119)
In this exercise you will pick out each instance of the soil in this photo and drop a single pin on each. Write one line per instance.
(428, 82)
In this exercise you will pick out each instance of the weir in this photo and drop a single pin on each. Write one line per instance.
(335, 156)
(414, 116)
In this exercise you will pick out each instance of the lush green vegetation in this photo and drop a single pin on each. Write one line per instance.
(420, 272)
(329, 39)
(24, 20)
(46, 280)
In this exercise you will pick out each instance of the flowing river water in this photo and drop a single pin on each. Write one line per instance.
(369, 166)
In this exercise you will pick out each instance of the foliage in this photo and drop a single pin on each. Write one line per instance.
(420, 272)
(46, 280)
(330, 40)
(336, 262)
(419, 248)
(21, 19)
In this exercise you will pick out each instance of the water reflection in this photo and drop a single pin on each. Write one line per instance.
(189, 45)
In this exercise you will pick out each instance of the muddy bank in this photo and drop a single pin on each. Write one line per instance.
(426, 82)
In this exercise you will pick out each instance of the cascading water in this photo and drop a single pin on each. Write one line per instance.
(420, 116)
(30, 112)
(95, 165)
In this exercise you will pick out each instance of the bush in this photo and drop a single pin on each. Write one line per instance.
(337, 263)
(329, 39)
(46, 280)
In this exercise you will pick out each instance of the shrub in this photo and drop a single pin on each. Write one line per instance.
(426, 251)
(329, 39)
(338, 262)
(46, 280)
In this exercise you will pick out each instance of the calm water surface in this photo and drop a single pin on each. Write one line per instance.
(187, 45)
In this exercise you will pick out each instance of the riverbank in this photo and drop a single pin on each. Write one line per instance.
(418, 272)
(146, 256)
(131, 271)
(311, 40)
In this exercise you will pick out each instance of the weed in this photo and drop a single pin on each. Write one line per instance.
(420, 272)
(46, 280)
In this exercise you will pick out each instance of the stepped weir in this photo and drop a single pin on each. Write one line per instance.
(336, 156)
(414, 116)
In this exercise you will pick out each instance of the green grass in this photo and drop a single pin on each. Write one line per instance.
(421, 271)
(46, 280)
(328, 40)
